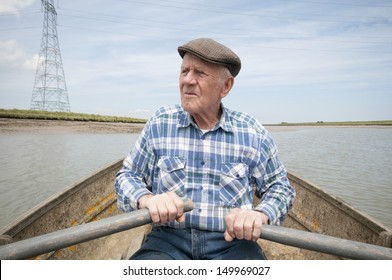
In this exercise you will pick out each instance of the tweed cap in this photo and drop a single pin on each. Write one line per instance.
(212, 51)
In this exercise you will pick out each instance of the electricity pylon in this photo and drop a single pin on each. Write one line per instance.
(50, 90)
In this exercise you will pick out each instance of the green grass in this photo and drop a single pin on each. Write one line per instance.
(347, 123)
(44, 115)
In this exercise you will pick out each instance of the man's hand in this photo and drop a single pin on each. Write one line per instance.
(163, 208)
(244, 224)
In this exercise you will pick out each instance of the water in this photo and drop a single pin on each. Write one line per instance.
(34, 167)
(353, 164)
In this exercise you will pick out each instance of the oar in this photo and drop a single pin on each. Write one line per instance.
(326, 244)
(70, 236)
(308, 240)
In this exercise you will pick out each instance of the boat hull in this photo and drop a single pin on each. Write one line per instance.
(317, 211)
(93, 198)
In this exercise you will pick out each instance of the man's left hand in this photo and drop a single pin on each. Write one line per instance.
(244, 224)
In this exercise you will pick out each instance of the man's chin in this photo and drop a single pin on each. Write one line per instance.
(188, 107)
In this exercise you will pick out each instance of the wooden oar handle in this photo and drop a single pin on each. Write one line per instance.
(325, 244)
(38, 245)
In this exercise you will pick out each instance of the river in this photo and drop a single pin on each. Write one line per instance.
(352, 163)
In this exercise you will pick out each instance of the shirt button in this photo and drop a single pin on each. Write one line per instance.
(199, 210)
(202, 163)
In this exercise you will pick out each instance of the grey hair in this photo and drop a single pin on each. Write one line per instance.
(225, 73)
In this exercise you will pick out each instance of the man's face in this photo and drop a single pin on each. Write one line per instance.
(201, 85)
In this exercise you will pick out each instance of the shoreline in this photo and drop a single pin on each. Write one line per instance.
(287, 128)
(36, 126)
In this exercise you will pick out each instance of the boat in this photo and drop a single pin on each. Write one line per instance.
(93, 199)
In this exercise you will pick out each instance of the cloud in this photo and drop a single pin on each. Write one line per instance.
(14, 6)
(121, 57)
(13, 56)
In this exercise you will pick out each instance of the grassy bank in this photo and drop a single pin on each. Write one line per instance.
(43, 115)
(349, 123)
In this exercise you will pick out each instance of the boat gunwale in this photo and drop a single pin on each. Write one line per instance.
(358, 215)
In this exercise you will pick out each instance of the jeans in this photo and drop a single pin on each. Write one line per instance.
(165, 243)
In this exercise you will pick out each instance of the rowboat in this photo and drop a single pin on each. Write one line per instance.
(92, 200)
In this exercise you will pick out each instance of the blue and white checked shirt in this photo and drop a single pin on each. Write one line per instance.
(218, 170)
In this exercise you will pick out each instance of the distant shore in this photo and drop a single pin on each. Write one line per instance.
(36, 126)
(32, 121)
(41, 122)
(345, 123)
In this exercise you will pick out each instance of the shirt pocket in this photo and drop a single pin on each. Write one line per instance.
(171, 177)
(234, 184)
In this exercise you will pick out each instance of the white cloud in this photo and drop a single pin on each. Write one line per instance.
(14, 6)
(13, 56)
(121, 57)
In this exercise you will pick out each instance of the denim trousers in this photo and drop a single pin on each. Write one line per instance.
(164, 243)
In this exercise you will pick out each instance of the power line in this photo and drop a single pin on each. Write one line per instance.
(224, 10)
(115, 32)
(3, 13)
(319, 3)
(234, 32)
(258, 15)
(19, 28)
(291, 1)
(177, 27)
(339, 4)
(190, 25)
(144, 35)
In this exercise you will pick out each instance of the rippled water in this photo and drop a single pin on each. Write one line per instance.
(34, 167)
(351, 163)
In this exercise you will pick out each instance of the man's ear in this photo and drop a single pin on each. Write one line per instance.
(228, 85)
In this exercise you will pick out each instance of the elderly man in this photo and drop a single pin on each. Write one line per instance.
(217, 157)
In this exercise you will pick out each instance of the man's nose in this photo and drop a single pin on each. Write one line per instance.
(190, 78)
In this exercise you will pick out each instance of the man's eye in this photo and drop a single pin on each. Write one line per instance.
(200, 73)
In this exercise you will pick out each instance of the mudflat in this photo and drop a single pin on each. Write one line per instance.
(12, 126)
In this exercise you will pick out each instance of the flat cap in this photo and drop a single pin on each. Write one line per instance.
(212, 51)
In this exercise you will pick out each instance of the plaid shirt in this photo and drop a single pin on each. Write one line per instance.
(218, 170)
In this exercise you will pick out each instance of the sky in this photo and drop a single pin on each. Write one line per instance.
(302, 61)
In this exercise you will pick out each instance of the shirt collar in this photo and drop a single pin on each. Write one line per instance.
(224, 123)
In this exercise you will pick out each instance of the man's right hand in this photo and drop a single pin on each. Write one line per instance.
(163, 208)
